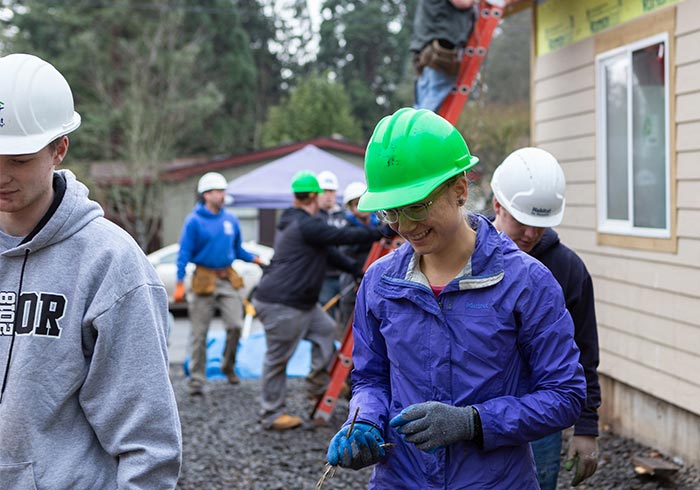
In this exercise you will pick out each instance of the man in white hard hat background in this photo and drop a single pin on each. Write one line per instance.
(334, 215)
(85, 401)
(528, 200)
(211, 239)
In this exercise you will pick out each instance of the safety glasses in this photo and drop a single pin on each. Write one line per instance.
(413, 212)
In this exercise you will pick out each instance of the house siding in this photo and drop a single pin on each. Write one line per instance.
(647, 301)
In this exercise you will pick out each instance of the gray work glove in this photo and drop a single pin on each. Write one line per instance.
(432, 425)
(583, 455)
(363, 447)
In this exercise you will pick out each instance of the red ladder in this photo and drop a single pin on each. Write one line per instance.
(342, 363)
(474, 52)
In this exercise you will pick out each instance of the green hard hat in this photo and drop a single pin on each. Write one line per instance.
(305, 181)
(409, 154)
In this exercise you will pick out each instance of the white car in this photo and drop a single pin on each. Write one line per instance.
(164, 261)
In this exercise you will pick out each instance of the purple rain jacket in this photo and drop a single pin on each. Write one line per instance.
(498, 338)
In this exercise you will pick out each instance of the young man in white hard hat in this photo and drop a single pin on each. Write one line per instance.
(286, 298)
(333, 215)
(211, 239)
(85, 400)
(528, 201)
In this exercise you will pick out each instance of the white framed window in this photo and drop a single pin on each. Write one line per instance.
(633, 138)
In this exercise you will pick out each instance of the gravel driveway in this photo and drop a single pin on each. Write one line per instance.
(224, 448)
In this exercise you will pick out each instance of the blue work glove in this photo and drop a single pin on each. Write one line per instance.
(362, 448)
(432, 425)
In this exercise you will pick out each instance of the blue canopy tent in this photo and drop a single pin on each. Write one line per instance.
(268, 187)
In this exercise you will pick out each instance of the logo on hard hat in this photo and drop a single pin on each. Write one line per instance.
(2, 121)
(541, 211)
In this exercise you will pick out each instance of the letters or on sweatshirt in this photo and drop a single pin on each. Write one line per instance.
(87, 401)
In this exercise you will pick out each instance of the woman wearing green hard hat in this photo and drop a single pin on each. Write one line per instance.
(464, 349)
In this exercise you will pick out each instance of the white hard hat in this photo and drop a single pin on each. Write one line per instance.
(353, 190)
(327, 180)
(530, 184)
(36, 105)
(211, 181)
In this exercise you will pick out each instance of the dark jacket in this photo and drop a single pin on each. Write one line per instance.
(574, 279)
(439, 19)
(303, 246)
(335, 217)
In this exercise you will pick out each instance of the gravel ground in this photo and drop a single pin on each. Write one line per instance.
(225, 448)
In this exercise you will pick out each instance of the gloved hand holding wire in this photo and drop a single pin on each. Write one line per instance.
(432, 425)
(362, 447)
(583, 455)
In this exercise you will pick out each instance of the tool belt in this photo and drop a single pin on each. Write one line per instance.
(204, 279)
(438, 57)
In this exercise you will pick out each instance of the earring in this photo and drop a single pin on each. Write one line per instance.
(460, 202)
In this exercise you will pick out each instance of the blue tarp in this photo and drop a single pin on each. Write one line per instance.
(249, 358)
(268, 187)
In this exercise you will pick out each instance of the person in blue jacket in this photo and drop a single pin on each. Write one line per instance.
(211, 239)
(529, 189)
(464, 349)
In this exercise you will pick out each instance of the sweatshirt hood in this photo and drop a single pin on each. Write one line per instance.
(204, 212)
(73, 213)
(549, 239)
(290, 215)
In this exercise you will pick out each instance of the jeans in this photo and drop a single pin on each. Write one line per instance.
(547, 453)
(431, 89)
(329, 288)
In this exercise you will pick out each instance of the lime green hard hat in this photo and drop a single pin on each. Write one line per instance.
(305, 181)
(410, 154)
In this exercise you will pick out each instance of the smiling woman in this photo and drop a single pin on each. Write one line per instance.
(456, 278)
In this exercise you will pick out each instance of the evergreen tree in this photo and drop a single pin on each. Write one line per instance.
(315, 107)
(365, 43)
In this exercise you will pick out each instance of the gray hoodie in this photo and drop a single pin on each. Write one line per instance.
(86, 402)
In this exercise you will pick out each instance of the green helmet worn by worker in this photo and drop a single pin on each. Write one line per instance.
(410, 154)
(305, 181)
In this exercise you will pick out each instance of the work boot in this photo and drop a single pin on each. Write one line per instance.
(195, 389)
(316, 384)
(284, 422)
(228, 365)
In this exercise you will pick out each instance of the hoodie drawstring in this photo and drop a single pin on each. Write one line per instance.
(14, 326)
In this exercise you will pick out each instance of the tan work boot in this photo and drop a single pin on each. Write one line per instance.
(284, 422)
(232, 378)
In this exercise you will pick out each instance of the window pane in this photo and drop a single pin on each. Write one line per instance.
(649, 137)
(616, 137)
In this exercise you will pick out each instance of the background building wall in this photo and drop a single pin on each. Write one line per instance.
(647, 301)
